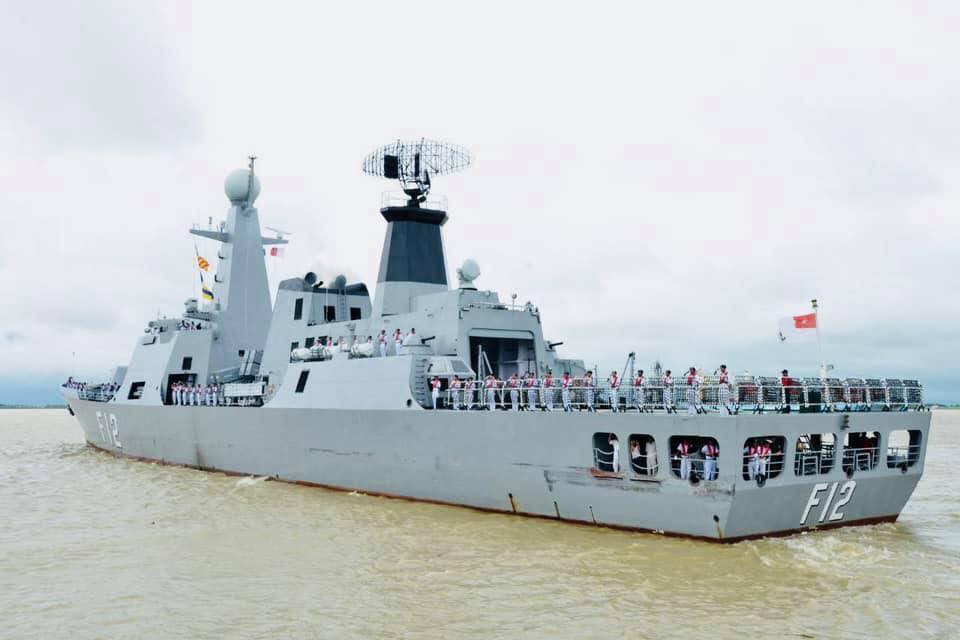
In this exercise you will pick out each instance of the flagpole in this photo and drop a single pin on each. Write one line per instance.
(816, 322)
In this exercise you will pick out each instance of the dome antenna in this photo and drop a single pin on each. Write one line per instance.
(412, 163)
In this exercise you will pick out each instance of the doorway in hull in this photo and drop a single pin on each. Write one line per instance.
(505, 355)
(188, 379)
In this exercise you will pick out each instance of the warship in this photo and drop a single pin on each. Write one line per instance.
(451, 395)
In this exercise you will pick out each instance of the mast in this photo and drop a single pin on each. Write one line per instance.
(816, 323)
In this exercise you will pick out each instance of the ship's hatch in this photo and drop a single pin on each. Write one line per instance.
(506, 353)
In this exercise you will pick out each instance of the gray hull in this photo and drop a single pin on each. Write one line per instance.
(536, 464)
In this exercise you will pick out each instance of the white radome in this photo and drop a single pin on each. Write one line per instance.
(469, 271)
(235, 186)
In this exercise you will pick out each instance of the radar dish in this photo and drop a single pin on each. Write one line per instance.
(413, 162)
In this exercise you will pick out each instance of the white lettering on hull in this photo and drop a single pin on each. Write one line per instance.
(843, 497)
(108, 429)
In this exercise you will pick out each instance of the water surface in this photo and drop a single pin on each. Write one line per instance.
(92, 546)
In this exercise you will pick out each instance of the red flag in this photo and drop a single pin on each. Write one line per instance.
(808, 321)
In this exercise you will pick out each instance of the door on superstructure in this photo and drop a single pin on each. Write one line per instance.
(183, 378)
(505, 355)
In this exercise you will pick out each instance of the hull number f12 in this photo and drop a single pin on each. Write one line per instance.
(843, 496)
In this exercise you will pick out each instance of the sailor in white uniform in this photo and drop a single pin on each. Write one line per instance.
(615, 443)
(382, 341)
(638, 384)
(614, 382)
(693, 391)
(588, 388)
(685, 449)
(435, 391)
(752, 453)
(709, 452)
(530, 384)
(491, 392)
(173, 392)
(455, 385)
(548, 392)
(668, 403)
(724, 384)
(514, 385)
(565, 384)
(397, 342)
(469, 389)
(763, 458)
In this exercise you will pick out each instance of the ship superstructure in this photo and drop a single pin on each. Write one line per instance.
(304, 392)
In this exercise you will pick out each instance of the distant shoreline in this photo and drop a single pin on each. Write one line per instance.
(33, 406)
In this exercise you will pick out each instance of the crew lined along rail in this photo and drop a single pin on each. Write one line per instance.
(699, 457)
(747, 394)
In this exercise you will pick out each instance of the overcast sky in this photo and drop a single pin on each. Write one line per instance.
(669, 178)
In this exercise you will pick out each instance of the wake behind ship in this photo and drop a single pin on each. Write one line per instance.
(448, 394)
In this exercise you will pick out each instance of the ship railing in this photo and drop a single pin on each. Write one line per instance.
(758, 395)
(644, 469)
(900, 456)
(770, 465)
(603, 460)
(859, 458)
(501, 306)
(811, 462)
(696, 465)
(400, 199)
(93, 392)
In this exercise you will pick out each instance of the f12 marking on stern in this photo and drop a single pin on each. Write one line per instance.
(843, 497)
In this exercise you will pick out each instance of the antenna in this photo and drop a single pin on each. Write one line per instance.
(250, 181)
(413, 162)
(280, 232)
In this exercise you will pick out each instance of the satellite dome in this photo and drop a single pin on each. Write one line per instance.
(468, 272)
(340, 281)
(236, 184)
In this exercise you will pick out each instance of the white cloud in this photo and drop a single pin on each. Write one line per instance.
(670, 179)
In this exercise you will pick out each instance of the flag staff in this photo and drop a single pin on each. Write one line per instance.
(816, 323)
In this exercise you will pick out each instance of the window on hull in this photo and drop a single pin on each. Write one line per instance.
(763, 457)
(606, 452)
(861, 451)
(643, 454)
(903, 448)
(694, 457)
(816, 454)
(136, 390)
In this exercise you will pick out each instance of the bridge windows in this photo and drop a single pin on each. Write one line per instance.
(694, 457)
(329, 313)
(606, 452)
(816, 453)
(187, 363)
(903, 448)
(861, 451)
(643, 455)
(298, 309)
(356, 313)
(763, 457)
